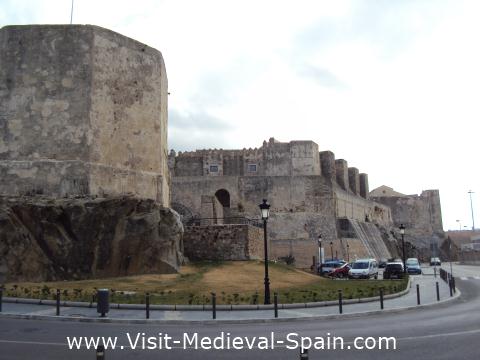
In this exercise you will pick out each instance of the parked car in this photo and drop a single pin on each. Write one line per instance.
(364, 269)
(435, 261)
(393, 270)
(340, 272)
(330, 265)
(413, 266)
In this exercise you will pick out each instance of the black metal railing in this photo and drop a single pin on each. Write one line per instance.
(231, 220)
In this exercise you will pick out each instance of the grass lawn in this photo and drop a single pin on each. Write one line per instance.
(234, 282)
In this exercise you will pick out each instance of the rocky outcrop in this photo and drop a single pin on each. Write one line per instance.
(77, 238)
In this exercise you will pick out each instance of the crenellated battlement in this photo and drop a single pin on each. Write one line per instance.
(273, 158)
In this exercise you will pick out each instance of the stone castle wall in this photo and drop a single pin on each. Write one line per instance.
(358, 208)
(300, 183)
(223, 242)
(420, 214)
(83, 111)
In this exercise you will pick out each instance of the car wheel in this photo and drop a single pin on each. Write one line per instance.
(340, 275)
(376, 276)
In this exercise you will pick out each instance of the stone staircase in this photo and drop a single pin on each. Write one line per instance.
(370, 238)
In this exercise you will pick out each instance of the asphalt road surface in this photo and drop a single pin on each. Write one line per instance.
(448, 331)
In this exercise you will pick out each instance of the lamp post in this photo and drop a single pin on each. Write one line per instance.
(450, 254)
(320, 252)
(348, 253)
(331, 249)
(402, 232)
(471, 207)
(459, 225)
(265, 209)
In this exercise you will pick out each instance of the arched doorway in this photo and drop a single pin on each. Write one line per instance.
(223, 197)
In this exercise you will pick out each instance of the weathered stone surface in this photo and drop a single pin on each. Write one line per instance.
(223, 242)
(364, 185)
(75, 238)
(83, 111)
(420, 214)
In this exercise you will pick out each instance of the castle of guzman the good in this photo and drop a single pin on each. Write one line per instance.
(83, 114)
(311, 193)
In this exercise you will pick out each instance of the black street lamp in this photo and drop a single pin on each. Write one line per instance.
(348, 252)
(450, 255)
(265, 209)
(331, 249)
(320, 252)
(402, 232)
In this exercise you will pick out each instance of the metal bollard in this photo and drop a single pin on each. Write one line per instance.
(214, 306)
(100, 352)
(147, 305)
(1, 297)
(438, 291)
(418, 294)
(340, 301)
(381, 298)
(303, 354)
(453, 285)
(103, 303)
(275, 303)
(57, 297)
(450, 287)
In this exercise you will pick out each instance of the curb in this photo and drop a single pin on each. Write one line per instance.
(456, 297)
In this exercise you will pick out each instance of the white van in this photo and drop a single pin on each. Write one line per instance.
(363, 269)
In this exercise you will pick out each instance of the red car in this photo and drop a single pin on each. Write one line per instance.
(340, 272)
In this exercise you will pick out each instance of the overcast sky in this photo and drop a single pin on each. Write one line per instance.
(392, 86)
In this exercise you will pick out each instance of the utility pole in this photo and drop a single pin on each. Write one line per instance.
(471, 207)
(71, 13)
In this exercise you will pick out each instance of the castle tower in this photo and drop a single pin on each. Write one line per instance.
(83, 111)
(327, 161)
(341, 168)
(364, 185)
(354, 180)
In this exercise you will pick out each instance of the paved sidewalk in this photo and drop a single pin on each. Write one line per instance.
(427, 294)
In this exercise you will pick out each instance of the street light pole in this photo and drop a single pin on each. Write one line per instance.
(402, 232)
(265, 209)
(459, 225)
(471, 207)
(450, 254)
(348, 253)
(320, 253)
(331, 249)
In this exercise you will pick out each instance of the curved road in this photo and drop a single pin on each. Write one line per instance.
(448, 331)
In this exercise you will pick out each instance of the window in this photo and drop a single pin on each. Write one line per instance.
(213, 168)
(252, 167)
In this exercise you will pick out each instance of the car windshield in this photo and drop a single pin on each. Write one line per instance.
(412, 262)
(360, 265)
(394, 266)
